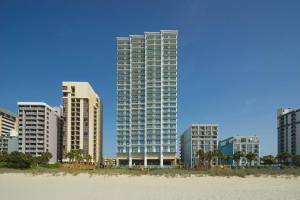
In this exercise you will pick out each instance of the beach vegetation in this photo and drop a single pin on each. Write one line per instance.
(296, 160)
(251, 157)
(283, 158)
(268, 160)
(237, 157)
(43, 159)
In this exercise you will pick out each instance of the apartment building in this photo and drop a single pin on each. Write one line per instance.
(198, 137)
(288, 130)
(9, 143)
(110, 161)
(244, 144)
(83, 120)
(147, 99)
(38, 130)
(60, 124)
(8, 122)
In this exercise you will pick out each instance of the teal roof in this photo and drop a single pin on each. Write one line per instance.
(8, 112)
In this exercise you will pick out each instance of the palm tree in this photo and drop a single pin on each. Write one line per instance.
(110, 162)
(283, 157)
(209, 155)
(296, 160)
(201, 156)
(71, 155)
(44, 158)
(268, 160)
(250, 157)
(79, 155)
(220, 156)
(88, 158)
(237, 157)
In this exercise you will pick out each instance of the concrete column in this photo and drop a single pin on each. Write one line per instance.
(145, 161)
(130, 161)
(161, 160)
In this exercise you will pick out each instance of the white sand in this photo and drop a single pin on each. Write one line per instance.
(85, 187)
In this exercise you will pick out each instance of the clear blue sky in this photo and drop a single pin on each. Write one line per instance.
(238, 60)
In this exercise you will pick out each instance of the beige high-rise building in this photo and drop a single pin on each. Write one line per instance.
(82, 111)
(8, 122)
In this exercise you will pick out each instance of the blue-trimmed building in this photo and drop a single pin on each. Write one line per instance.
(244, 144)
(147, 99)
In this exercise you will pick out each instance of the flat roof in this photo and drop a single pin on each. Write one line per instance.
(122, 38)
(290, 110)
(64, 83)
(34, 104)
(8, 112)
(239, 136)
(191, 126)
(142, 36)
(205, 124)
(148, 32)
(74, 82)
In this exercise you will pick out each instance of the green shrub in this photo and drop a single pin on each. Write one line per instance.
(43, 159)
(53, 166)
(296, 160)
(19, 160)
(3, 156)
(3, 164)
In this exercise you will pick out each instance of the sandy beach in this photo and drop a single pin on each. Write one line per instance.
(84, 186)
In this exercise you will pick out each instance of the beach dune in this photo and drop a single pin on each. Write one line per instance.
(96, 187)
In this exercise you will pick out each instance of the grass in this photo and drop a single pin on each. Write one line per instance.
(174, 172)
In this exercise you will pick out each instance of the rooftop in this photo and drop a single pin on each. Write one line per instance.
(34, 104)
(8, 112)
(148, 32)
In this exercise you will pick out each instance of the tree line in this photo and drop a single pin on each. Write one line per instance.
(207, 158)
(283, 158)
(78, 156)
(21, 160)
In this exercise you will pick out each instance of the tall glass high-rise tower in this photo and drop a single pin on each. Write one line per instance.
(147, 99)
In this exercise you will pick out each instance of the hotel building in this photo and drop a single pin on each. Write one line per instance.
(8, 122)
(147, 99)
(110, 161)
(9, 143)
(82, 111)
(244, 144)
(38, 130)
(60, 125)
(288, 127)
(198, 137)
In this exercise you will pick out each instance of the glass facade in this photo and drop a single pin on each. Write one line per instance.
(147, 93)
